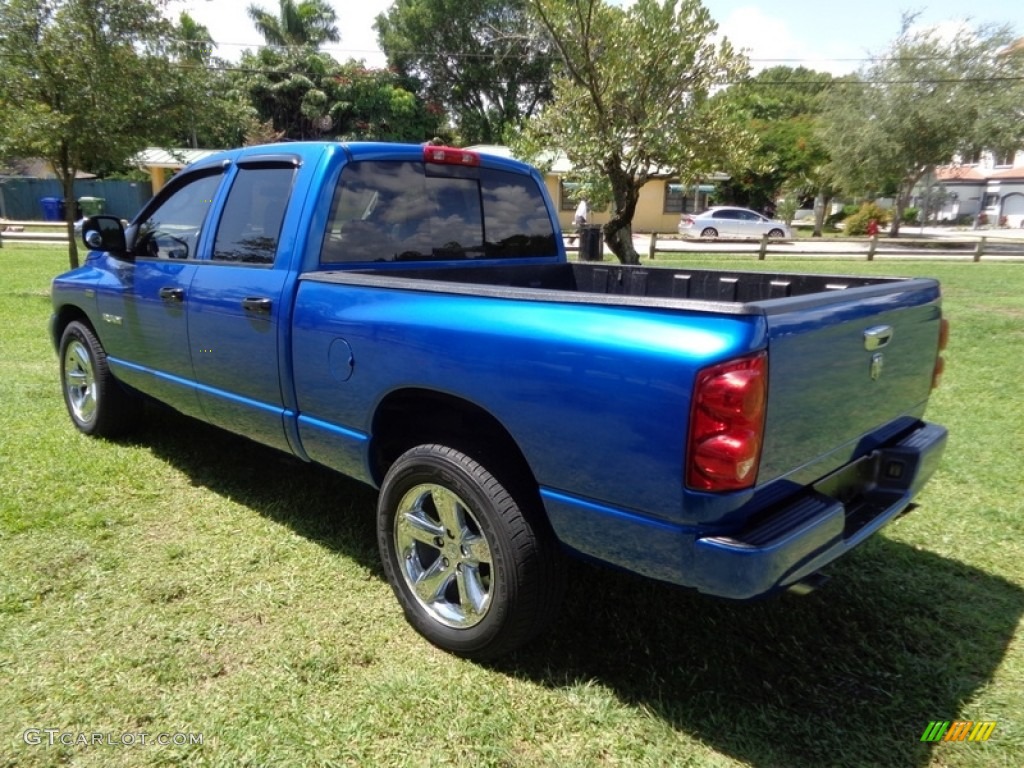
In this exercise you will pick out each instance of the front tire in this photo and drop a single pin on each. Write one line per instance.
(776, 234)
(477, 572)
(95, 401)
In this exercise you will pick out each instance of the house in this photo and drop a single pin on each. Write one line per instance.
(158, 161)
(988, 183)
(661, 202)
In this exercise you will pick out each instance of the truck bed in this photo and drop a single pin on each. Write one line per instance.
(723, 291)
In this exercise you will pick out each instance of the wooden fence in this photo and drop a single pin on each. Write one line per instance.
(869, 248)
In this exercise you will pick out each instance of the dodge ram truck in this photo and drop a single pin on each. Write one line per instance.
(407, 315)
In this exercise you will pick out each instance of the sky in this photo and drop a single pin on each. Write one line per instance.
(820, 34)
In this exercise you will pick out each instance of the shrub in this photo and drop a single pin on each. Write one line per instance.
(857, 224)
(910, 215)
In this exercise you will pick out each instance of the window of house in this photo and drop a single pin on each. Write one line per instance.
(568, 195)
(675, 198)
(1003, 158)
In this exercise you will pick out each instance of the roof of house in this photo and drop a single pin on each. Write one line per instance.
(159, 157)
(960, 173)
(1008, 173)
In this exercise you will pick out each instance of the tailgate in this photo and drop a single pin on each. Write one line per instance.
(847, 370)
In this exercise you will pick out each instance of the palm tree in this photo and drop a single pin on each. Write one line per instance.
(194, 41)
(309, 22)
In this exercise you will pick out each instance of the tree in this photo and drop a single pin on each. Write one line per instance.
(781, 107)
(631, 100)
(84, 82)
(212, 114)
(305, 94)
(309, 22)
(485, 61)
(929, 97)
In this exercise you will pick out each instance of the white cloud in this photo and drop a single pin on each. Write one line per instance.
(769, 41)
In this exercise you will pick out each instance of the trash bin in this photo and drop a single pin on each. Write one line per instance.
(53, 208)
(91, 206)
(591, 245)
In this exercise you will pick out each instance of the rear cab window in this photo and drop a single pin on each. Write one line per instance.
(388, 211)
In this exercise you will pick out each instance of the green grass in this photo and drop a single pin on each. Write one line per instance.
(190, 581)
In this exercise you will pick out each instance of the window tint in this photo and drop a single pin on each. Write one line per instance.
(251, 223)
(172, 230)
(730, 215)
(390, 211)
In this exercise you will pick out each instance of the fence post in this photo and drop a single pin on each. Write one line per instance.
(654, 245)
(980, 250)
(872, 244)
(763, 251)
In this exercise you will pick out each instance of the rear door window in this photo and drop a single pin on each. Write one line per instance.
(251, 223)
(403, 211)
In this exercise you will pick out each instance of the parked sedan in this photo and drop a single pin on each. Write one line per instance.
(727, 221)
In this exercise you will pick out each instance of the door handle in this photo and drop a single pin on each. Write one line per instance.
(257, 304)
(172, 294)
(877, 337)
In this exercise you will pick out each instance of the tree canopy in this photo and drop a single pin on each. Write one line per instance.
(308, 22)
(632, 98)
(930, 96)
(780, 106)
(305, 94)
(484, 61)
(84, 82)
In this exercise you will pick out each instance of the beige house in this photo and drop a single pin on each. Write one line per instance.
(162, 163)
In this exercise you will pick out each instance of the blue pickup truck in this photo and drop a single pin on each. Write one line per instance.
(406, 315)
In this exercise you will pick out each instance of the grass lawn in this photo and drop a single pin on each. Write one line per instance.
(190, 582)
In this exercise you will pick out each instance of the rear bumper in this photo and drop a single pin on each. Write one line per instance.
(828, 519)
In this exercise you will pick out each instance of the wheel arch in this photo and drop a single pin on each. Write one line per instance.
(63, 317)
(410, 417)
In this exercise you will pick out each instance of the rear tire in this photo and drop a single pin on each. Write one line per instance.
(709, 232)
(477, 571)
(96, 403)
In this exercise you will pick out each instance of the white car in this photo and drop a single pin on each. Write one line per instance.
(727, 221)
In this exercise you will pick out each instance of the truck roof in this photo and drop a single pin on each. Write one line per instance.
(306, 151)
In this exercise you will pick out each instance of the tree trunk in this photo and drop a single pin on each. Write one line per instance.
(618, 232)
(897, 216)
(821, 205)
(70, 209)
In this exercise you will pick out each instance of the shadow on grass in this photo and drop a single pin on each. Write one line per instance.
(331, 509)
(850, 675)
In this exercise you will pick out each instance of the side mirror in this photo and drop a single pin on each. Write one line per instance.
(105, 233)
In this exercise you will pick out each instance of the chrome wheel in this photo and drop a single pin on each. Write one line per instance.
(80, 382)
(444, 557)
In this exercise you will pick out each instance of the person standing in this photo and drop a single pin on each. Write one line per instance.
(579, 218)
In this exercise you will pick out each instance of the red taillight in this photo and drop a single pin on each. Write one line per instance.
(450, 156)
(727, 425)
